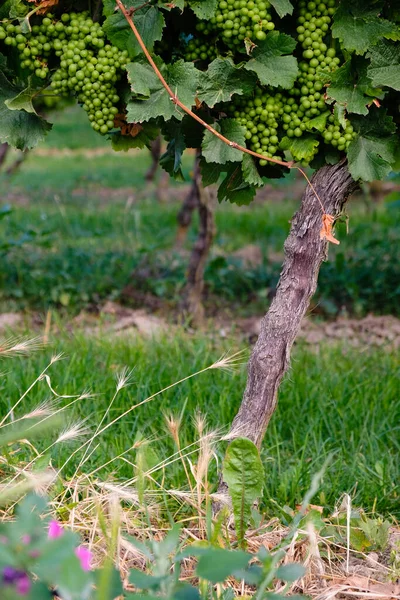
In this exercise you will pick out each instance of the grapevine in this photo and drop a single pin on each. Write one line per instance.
(278, 82)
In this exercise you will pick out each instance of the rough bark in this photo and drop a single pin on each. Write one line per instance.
(304, 253)
(4, 148)
(190, 203)
(193, 305)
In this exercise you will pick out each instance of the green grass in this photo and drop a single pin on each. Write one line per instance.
(337, 400)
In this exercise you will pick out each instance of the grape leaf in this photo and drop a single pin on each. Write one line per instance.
(269, 63)
(351, 87)
(372, 154)
(234, 189)
(210, 172)
(385, 64)
(22, 101)
(179, 4)
(153, 100)
(250, 172)
(302, 148)
(171, 160)
(19, 128)
(203, 9)
(340, 114)
(123, 143)
(148, 20)
(318, 123)
(359, 26)
(282, 7)
(215, 150)
(223, 79)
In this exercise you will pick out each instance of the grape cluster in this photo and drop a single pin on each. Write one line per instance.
(200, 50)
(336, 136)
(34, 48)
(241, 19)
(88, 67)
(269, 114)
(259, 116)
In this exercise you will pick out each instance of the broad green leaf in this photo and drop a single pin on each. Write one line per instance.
(303, 148)
(282, 7)
(269, 62)
(222, 80)
(148, 20)
(290, 572)
(340, 114)
(203, 9)
(216, 151)
(250, 172)
(318, 123)
(123, 143)
(171, 160)
(385, 64)
(234, 188)
(143, 581)
(218, 564)
(23, 101)
(210, 172)
(20, 129)
(108, 581)
(182, 77)
(351, 87)
(244, 474)
(373, 153)
(40, 591)
(359, 25)
(184, 591)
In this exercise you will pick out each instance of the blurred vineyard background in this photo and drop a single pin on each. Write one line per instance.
(91, 261)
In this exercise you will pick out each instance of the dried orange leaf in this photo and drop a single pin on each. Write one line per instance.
(326, 231)
(44, 5)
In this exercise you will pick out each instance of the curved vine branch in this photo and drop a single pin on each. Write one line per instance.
(174, 98)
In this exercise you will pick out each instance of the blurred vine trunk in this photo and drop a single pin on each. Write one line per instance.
(14, 167)
(304, 253)
(4, 148)
(162, 184)
(204, 200)
(189, 205)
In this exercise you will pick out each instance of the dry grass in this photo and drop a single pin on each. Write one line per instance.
(107, 513)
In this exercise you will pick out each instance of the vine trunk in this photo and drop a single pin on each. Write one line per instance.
(193, 304)
(304, 253)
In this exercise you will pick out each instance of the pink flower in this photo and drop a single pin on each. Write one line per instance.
(23, 586)
(55, 530)
(85, 556)
(26, 539)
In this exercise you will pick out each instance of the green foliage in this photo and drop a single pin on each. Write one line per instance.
(216, 151)
(384, 69)
(150, 98)
(32, 543)
(19, 128)
(359, 25)
(275, 69)
(373, 152)
(352, 88)
(148, 20)
(244, 474)
(271, 62)
(222, 80)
